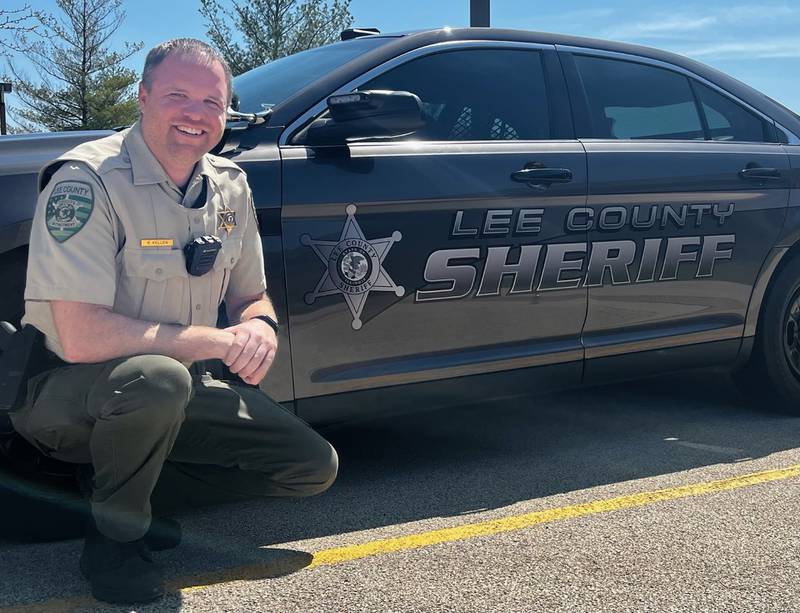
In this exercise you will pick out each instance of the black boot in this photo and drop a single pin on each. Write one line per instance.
(120, 572)
(164, 533)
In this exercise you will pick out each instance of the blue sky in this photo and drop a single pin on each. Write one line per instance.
(758, 43)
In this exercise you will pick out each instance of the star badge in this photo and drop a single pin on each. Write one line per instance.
(226, 220)
(354, 266)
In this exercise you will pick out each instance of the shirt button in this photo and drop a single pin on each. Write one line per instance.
(197, 307)
(232, 260)
(159, 271)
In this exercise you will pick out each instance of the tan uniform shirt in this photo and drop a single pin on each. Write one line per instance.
(110, 227)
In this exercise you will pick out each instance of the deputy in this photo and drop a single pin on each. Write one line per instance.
(111, 285)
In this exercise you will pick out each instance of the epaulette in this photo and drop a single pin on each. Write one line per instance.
(99, 155)
(223, 163)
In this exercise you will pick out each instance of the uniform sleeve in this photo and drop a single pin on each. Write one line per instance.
(247, 275)
(73, 246)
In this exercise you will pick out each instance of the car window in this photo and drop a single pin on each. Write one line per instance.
(631, 100)
(278, 80)
(475, 94)
(728, 120)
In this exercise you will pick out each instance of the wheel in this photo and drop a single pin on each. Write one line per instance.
(38, 496)
(12, 272)
(771, 378)
(40, 505)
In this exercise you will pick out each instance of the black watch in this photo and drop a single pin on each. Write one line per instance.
(266, 318)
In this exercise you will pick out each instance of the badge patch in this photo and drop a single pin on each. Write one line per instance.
(68, 209)
(354, 266)
(226, 220)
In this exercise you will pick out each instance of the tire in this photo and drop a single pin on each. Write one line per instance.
(771, 378)
(12, 271)
(35, 507)
(39, 496)
(34, 513)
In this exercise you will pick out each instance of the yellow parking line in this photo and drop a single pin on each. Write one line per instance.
(338, 555)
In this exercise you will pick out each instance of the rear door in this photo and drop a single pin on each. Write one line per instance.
(687, 193)
(419, 259)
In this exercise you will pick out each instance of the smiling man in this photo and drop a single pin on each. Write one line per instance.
(136, 241)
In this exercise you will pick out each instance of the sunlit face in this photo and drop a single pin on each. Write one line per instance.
(183, 110)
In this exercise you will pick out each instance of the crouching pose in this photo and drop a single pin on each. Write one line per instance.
(136, 241)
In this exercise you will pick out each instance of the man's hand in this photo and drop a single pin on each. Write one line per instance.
(253, 350)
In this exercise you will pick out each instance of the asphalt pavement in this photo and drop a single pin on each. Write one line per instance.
(669, 494)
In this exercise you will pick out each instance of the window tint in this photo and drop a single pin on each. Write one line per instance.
(630, 100)
(274, 82)
(479, 94)
(728, 120)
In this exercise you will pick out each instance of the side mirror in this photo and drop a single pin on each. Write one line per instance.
(365, 114)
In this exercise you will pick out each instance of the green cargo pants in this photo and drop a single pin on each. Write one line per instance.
(129, 417)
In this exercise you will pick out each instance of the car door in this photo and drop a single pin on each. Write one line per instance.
(415, 259)
(688, 189)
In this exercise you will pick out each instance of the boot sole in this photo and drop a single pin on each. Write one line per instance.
(121, 597)
(118, 596)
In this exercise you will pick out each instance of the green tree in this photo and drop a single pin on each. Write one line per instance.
(81, 84)
(272, 29)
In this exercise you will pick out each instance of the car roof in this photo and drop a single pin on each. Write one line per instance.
(431, 36)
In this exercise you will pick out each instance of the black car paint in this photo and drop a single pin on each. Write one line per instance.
(410, 351)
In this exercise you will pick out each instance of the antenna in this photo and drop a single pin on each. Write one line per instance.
(5, 88)
(479, 13)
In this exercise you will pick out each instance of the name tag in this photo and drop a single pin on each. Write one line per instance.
(155, 242)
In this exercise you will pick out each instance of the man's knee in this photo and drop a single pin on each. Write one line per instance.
(156, 385)
(317, 472)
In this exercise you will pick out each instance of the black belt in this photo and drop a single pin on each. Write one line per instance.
(198, 368)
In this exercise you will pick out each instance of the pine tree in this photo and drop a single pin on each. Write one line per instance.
(81, 85)
(272, 29)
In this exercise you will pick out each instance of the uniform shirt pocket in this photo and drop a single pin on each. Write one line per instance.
(227, 258)
(230, 253)
(153, 286)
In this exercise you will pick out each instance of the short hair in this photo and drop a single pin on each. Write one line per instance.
(205, 54)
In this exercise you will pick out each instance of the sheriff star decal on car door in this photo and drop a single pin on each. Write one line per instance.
(354, 266)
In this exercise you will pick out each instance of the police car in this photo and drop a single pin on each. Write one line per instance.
(527, 210)
(452, 212)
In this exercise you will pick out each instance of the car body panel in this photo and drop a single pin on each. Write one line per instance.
(424, 330)
(21, 157)
(693, 193)
(790, 233)
(428, 321)
(262, 163)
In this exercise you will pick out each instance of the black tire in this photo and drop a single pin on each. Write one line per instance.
(39, 497)
(771, 378)
(12, 271)
(38, 511)
(35, 506)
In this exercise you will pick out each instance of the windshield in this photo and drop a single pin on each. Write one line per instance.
(272, 83)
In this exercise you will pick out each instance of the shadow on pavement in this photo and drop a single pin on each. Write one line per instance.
(452, 462)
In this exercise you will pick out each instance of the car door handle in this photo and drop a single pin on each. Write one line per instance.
(542, 175)
(759, 173)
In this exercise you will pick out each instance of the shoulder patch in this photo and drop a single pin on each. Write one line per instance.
(68, 209)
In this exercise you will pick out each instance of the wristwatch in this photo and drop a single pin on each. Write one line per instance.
(266, 318)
